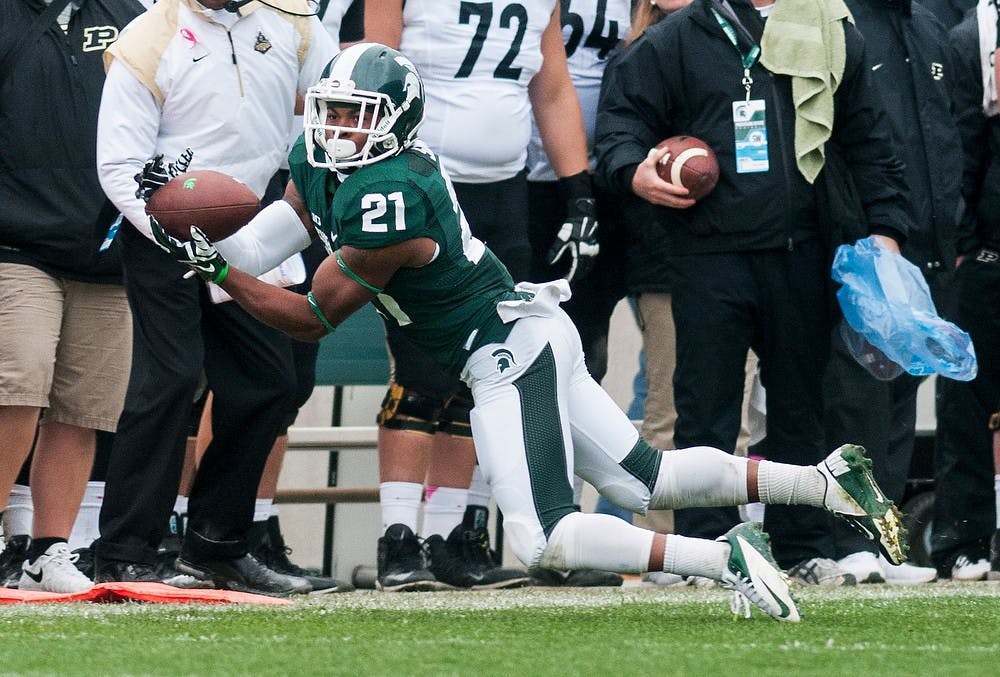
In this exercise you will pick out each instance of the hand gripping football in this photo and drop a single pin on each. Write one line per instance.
(689, 163)
(215, 202)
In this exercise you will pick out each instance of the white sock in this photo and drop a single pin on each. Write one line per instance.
(86, 527)
(400, 503)
(699, 476)
(181, 505)
(784, 484)
(262, 509)
(274, 510)
(444, 508)
(695, 556)
(20, 512)
(996, 490)
(479, 489)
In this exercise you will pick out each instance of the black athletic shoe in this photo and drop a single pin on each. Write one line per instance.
(111, 571)
(401, 564)
(243, 574)
(85, 562)
(11, 559)
(268, 545)
(464, 561)
(577, 578)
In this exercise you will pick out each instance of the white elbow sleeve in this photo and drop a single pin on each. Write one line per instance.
(268, 239)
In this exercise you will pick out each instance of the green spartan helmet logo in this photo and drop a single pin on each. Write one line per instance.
(505, 359)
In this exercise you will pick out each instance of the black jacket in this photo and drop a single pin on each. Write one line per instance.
(682, 77)
(948, 12)
(980, 141)
(912, 68)
(54, 214)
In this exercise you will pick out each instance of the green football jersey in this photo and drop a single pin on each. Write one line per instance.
(447, 307)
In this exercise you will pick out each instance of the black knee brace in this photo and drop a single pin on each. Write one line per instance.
(405, 409)
(454, 418)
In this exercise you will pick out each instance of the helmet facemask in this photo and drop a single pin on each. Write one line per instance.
(384, 88)
(325, 142)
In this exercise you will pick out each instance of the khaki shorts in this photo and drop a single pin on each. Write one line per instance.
(65, 346)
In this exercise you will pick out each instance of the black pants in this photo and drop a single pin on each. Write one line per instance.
(775, 302)
(964, 505)
(594, 296)
(498, 215)
(178, 333)
(879, 415)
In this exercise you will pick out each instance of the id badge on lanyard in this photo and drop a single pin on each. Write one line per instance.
(749, 115)
(751, 136)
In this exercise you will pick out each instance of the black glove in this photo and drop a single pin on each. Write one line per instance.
(578, 237)
(199, 253)
(155, 174)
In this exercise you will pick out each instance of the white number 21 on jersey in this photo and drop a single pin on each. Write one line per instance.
(373, 206)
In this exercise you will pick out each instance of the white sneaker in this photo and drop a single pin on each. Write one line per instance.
(820, 571)
(701, 582)
(965, 569)
(54, 571)
(865, 566)
(907, 574)
(663, 579)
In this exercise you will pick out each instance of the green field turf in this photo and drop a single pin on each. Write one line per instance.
(868, 631)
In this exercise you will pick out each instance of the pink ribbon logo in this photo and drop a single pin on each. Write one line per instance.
(189, 36)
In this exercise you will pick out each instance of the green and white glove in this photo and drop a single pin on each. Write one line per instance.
(208, 262)
(199, 253)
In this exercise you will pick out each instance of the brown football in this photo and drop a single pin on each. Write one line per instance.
(215, 202)
(689, 163)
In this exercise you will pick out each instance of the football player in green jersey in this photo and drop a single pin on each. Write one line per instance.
(378, 198)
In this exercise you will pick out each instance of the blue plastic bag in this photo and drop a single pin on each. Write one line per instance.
(886, 300)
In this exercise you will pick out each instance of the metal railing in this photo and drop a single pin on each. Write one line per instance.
(331, 438)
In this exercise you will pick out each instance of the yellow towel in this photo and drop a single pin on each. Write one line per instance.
(803, 39)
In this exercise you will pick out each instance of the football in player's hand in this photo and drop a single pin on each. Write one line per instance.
(215, 202)
(690, 163)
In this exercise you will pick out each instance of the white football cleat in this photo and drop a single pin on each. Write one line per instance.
(851, 493)
(752, 572)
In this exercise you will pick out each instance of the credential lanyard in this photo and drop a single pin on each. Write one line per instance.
(748, 59)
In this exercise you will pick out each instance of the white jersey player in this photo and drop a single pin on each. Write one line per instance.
(477, 60)
(592, 29)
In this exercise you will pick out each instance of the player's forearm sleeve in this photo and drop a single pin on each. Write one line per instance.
(271, 237)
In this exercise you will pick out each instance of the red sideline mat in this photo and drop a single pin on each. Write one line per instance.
(139, 592)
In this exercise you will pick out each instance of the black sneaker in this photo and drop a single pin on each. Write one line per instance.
(464, 561)
(401, 564)
(268, 545)
(85, 562)
(11, 559)
(111, 571)
(577, 578)
(243, 574)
